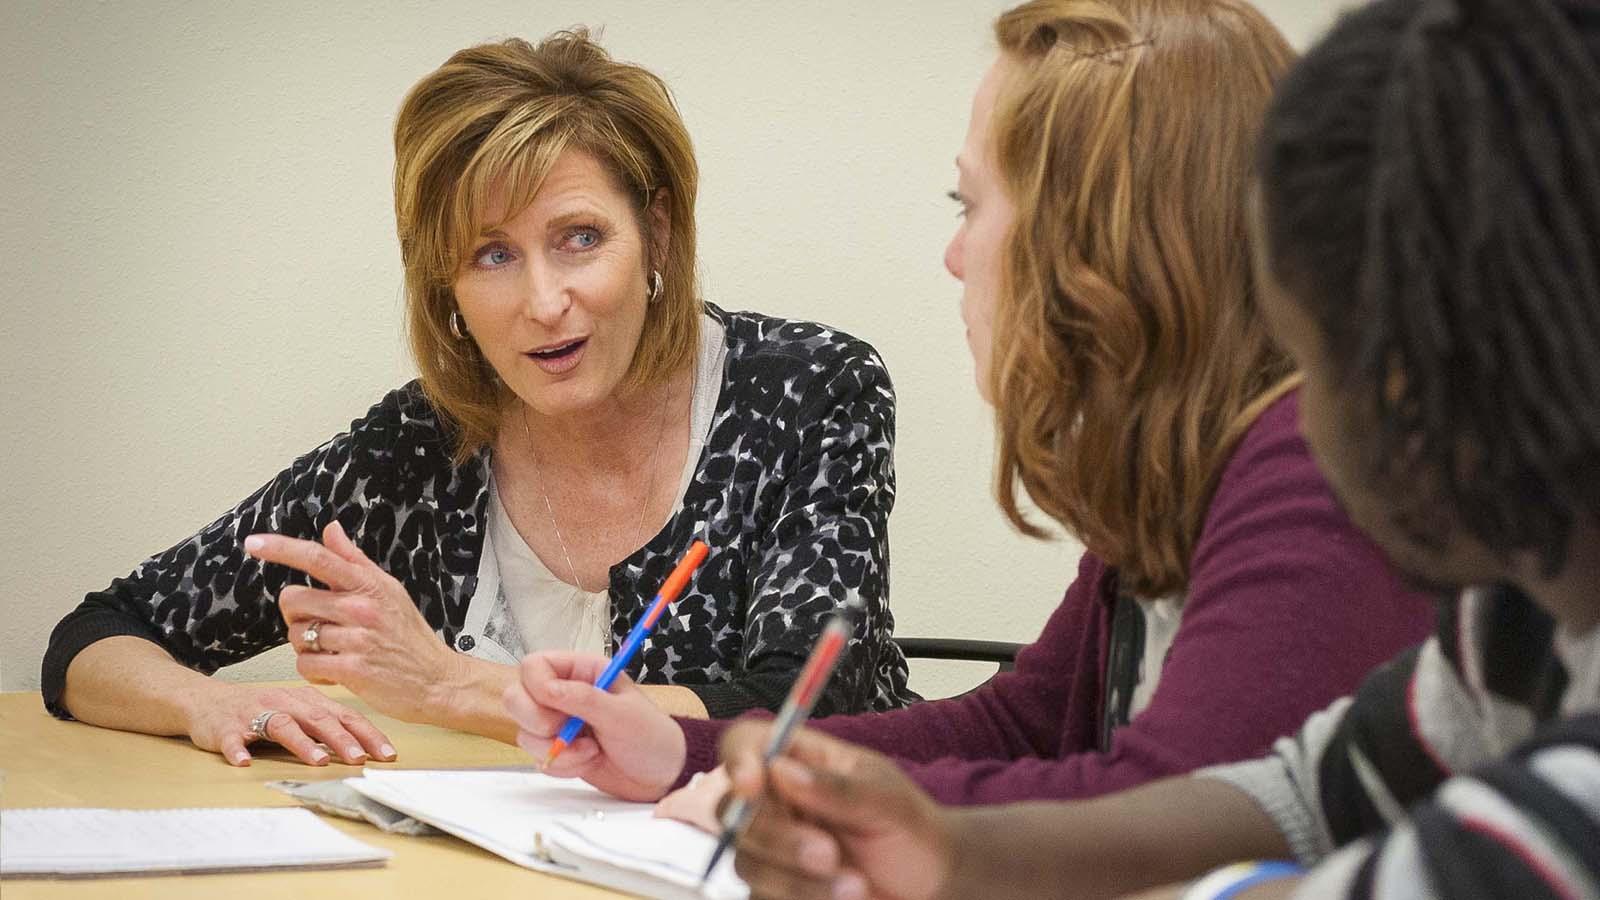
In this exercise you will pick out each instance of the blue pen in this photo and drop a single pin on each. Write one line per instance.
(674, 585)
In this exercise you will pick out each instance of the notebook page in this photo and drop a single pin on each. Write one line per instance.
(665, 849)
(505, 812)
(109, 841)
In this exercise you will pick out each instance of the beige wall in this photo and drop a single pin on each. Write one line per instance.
(201, 278)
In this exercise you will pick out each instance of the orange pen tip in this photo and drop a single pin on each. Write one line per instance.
(556, 746)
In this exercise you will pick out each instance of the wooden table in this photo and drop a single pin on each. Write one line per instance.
(52, 763)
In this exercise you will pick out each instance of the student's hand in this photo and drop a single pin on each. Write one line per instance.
(698, 802)
(629, 748)
(834, 821)
(220, 717)
(371, 637)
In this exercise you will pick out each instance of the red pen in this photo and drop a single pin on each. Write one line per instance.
(796, 708)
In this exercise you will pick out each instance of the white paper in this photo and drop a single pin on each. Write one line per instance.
(669, 850)
(505, 812)
(109, 841)
(558, 825)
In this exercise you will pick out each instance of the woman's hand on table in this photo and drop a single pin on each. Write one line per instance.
(847, 822)
(629, 748)
(369, 635)
(220, 720)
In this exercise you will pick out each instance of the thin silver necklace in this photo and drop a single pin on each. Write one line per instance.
(549, 508)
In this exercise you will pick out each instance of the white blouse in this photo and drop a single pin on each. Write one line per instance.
(537, 609)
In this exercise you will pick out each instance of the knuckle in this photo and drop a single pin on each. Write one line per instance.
(318, 554)
(361, 610)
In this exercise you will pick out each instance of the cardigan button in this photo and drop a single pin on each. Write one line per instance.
(465, 643)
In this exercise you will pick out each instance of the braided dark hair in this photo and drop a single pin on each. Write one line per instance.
(1430, 179)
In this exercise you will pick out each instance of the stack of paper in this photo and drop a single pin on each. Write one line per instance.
(560, 826)
(75, 842)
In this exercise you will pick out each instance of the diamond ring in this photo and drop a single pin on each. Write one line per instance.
(311, 636)
(258, 725)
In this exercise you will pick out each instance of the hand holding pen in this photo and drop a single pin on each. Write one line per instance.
(834, 819)
(796, 709)
(630, 749)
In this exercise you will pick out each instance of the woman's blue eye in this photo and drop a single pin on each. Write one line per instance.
(582, 238)
(493, 257)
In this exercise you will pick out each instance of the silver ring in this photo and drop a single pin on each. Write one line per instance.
(258, 725)
(310, 637)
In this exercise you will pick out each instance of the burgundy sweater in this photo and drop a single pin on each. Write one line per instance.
(1287, 607)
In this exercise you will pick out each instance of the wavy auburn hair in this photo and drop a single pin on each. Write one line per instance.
(497, 117)
(1129, 356)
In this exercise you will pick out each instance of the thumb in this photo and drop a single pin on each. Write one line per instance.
(844, 786)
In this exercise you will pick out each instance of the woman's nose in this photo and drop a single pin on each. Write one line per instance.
(544, 298)
(952, 257)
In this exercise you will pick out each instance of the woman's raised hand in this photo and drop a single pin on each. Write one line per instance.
(629, 748)
(363, 630)
(300, 718)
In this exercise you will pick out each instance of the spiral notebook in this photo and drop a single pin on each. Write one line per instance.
(560, 826)
(73, 842)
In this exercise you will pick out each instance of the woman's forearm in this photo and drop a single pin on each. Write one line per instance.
(471, 698)
(131, 684)
(675, 700)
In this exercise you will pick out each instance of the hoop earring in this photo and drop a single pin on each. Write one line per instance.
(655, 285)
(457, 329)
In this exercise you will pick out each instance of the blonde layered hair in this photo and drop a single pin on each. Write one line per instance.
(1129, 355)
(494, 118)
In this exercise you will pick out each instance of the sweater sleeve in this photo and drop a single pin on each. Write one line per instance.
(1015, 714)
(1287, 607)
(826, 543)
(1522, 828)
(204, 600)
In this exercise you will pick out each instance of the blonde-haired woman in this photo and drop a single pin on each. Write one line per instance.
(580, 419)
(1111, 311)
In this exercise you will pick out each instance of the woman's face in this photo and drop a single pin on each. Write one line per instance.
(555, 297)
(974, 255)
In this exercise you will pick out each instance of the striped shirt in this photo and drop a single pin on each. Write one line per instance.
(1467, 767)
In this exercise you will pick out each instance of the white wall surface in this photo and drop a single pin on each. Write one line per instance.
(201, 278)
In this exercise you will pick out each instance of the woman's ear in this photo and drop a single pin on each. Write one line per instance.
(659, 215)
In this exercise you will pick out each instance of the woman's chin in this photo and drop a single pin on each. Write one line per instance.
(564, 400)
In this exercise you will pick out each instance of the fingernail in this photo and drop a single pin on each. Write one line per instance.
(254, 543)
(795, 772)
(849, 887)
(318, 757)
(241, 758)
(355, 753)
(386, 751)
(814, 856)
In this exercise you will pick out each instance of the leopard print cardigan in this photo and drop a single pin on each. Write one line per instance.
(792, 492)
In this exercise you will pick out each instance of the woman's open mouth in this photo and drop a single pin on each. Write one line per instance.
(558, 358)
